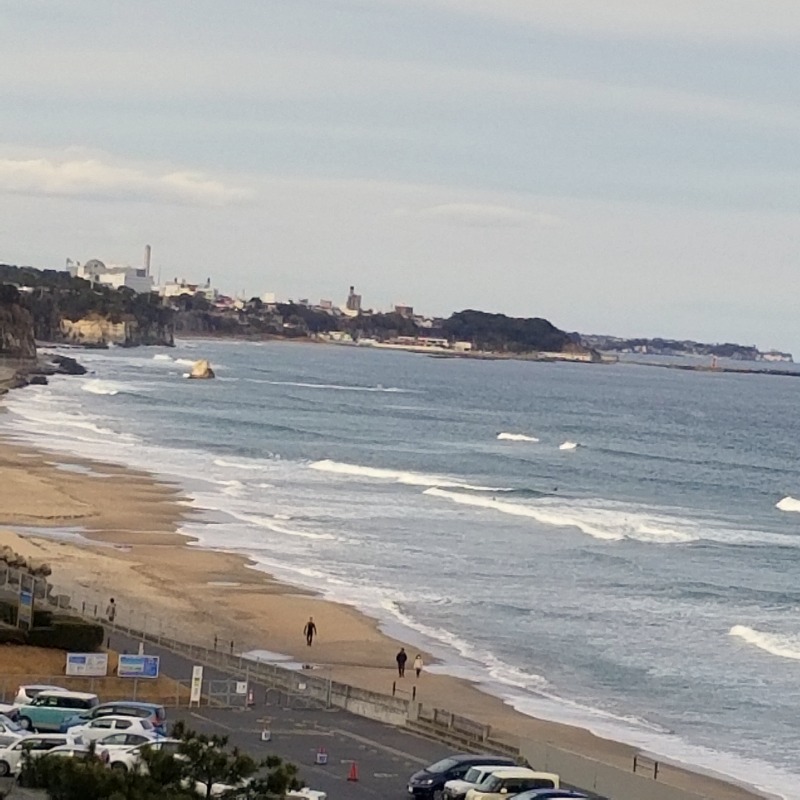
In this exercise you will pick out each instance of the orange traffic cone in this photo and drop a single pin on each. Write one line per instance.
(353, 776)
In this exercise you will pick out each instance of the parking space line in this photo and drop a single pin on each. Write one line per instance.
(378, 746)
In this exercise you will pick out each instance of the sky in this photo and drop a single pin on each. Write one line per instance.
(617, 167)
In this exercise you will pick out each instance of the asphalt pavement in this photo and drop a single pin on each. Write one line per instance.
(383, 756)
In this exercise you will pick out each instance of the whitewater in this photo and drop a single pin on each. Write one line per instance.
(642, 582)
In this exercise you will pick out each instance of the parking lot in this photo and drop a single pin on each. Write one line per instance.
(383, 757)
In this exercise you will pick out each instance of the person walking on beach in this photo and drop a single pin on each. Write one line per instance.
(401, 659)
(310, 631)
(111, 611)
(418, 664)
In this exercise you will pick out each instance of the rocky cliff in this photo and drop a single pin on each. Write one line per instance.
(16, 326)
(96, 330)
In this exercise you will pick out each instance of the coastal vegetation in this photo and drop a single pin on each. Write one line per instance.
(205, 766)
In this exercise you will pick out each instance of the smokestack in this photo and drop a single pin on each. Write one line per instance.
(147, 259)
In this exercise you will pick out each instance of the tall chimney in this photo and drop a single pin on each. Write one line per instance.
(147, 259)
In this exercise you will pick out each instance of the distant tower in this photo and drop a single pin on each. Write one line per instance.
(353, 300)
(147, 260)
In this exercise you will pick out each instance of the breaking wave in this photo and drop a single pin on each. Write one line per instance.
(788, 504)
(336, 387)
(398, 476)
(516, 437)
(776, 644)
(568, 446)
(97, 386)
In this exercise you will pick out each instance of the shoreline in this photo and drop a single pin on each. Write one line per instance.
(131, 548)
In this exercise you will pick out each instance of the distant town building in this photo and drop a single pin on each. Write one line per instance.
(268, 298)
(175, 288)
(326, 305)
(114, 275)
(404, 311)
(352, 306)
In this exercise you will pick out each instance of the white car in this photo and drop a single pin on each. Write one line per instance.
(131, 758)
(10, 731)
(28, 691)
(38, 744)
(509, 781)
(307, 794)
(102, 726)
(116, 742)
(457, 789)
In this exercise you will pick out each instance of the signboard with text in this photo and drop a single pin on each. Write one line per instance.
(137, 666)
(89, 664)
(197, 685)
(25, 610)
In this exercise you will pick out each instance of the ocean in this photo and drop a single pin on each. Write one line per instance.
(597, 544)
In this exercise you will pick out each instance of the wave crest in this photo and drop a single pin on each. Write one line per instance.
(96, 386)
(397, 476)
(776, 644)
(788, 503)
(516, 437)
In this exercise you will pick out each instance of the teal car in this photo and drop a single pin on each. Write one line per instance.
(48, 710)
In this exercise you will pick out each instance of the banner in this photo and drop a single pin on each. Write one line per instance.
(137, 666)
(197, 685)
(88, 664)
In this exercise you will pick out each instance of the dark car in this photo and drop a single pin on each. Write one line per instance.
(550, 794)
(430, 781)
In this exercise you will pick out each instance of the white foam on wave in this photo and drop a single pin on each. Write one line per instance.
(273, 524)
(97, 386)
(222, 462)
(568, 446)
(397, 476)
(776, 644)
(336, 387)
(788, 503)
(609, 525)
(516, 437)
(612, 521)
(162, 357)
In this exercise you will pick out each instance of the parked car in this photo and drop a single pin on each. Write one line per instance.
(102, 726)
(121, 741)
(36, 745)
(10, 731)
(48, 710)
(28, 691)
(551, 794)
(69, 751)
(131, 759)
(457, 789)
(429, 782)
(153, 712)
(12, 712)
(507, 782)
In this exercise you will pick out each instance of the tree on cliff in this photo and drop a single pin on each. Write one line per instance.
(497, 332)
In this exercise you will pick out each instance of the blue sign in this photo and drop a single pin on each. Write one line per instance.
(137, 666)
(25, 610)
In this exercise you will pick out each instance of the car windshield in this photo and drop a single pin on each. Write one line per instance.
(492, 785)
(442, 766)
(473, 774)
(9, 724)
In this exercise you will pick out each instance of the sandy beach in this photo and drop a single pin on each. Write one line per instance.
(115, 530)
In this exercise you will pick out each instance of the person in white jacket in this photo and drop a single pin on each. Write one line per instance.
(418, 664)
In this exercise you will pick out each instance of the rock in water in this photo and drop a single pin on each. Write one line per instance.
(201, 369)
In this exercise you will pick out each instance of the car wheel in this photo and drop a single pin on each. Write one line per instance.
(5, 769)
(25, 723)
(119, 766)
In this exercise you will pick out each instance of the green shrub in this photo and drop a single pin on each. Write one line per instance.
(68, 633)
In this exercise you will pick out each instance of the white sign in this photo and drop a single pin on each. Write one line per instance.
(87, 664)
(197, 685)
(241, 687)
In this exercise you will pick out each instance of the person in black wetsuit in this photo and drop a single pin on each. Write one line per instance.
(310, 631)
(401, 659)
